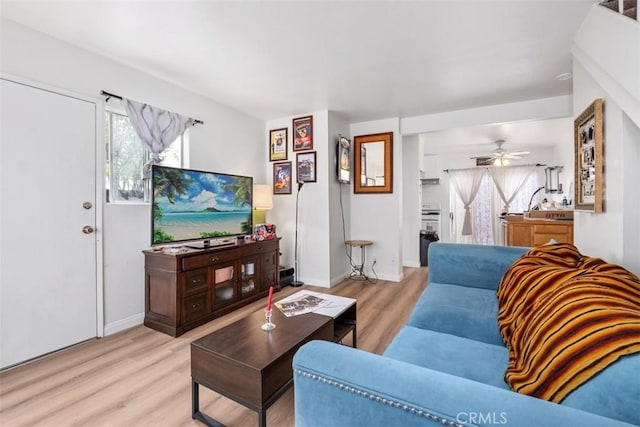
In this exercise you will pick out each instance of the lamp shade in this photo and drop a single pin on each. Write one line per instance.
(262, 197)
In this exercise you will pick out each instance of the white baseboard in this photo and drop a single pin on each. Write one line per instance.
(412, 264)
(390, 277)
(121, 325)
(315, 282)
(338, 279)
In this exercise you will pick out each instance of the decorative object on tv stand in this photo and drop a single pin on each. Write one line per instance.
(303, 133)
(282, 178)
(296, 282)
(265, 232)
(589, 179)
(278, 144)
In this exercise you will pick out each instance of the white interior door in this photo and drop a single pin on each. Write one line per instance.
(47, 263)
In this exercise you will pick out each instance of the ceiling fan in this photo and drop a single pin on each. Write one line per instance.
(500, 157)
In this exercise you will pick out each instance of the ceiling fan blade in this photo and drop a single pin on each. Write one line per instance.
(511, 156)
(519, 153)
(483, 157)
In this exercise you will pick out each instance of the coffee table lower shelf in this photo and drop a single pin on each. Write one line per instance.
(196, 414)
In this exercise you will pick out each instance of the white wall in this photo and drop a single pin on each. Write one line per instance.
(284, 205)
(607, 45)
(229, 141)
(316, 233)
(313, 233)
(411, 193)
(378, 217)
(537, 109)
(338, 212)
(608, 235)
(607, 65)
(631, 199)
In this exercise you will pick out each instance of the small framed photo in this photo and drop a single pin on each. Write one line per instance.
(278, 144)
(306, 167)
(282, 178)
(303, 133)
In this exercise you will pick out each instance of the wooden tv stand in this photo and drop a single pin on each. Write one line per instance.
(194, 286)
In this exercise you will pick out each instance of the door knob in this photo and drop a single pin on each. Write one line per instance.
(87, 229)
(87, 205)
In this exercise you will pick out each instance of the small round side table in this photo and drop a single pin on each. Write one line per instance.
(357, 270)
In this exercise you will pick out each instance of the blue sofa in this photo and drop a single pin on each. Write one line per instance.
(446, 365)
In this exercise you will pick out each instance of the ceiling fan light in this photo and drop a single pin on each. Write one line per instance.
(501, 162)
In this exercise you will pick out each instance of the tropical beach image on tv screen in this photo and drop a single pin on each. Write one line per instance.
(190, 205)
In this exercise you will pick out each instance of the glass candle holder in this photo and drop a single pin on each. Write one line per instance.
(268, 326)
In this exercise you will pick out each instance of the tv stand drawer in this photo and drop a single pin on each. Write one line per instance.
(195, 307)
(208, 259)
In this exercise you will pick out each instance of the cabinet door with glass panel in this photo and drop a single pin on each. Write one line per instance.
(224, 279)
(249, 274)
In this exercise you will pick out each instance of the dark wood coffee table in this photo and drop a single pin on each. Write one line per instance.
(251, 366)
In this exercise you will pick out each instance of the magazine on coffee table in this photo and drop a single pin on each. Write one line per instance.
(300, 303)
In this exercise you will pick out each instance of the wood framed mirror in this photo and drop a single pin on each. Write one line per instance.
(373, 163)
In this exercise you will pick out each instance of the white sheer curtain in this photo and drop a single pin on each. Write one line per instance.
(509, 181)
(466, 183)
(521, 199)
(484, 213)
(488, 204)
(156, 128)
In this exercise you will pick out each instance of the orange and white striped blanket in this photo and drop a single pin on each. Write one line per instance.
(565, 317)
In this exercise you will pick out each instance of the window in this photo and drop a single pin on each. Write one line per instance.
(126, 156)
(486, 208)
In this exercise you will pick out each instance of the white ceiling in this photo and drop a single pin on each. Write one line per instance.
(518, 136)
(365, 59)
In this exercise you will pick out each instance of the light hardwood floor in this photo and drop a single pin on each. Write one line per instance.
(140, 377)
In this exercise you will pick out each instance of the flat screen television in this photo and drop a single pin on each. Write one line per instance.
(191, 205)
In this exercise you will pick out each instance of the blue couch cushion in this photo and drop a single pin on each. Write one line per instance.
(474, 266)
(451, 354)
(458, 310)
(614, 392)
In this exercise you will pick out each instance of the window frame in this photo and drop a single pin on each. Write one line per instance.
(108, 176)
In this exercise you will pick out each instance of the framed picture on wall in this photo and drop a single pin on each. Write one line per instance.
(282, 178)
(278, 144)
(303, 133)
(373, 163)
(306, 167)
(343, 160)
(589, 159)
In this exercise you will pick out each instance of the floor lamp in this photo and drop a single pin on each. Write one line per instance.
(295, 281)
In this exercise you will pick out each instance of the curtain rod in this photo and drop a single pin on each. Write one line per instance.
(487, 167)
(111, 95)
